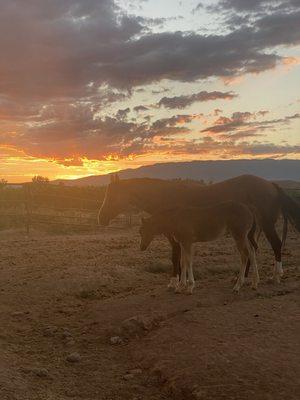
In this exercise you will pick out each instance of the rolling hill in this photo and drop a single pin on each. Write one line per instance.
(276, 170)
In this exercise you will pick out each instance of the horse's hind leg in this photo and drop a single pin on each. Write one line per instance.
(253, 237)
(275, 242)
(243, 248)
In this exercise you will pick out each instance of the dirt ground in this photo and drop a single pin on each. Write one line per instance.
(89, 317)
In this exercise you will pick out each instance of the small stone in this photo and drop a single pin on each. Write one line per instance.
(115, 340)
(40, 372)
(133, 326)
(17, 314)
(50, 331)
(128, 377)
(66, 334)
(73, 357)
(70, 342)
(25, 370)
(136, 371)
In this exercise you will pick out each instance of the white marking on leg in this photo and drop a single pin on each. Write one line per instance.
(182, 284)
(279, 267)
(277, 271)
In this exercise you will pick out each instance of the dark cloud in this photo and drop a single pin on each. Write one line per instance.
(257, 5)
(167, 127)
(246, 124)
(185, 101)
(210, 147)
(72, 131)
(70, 48)
(140, 109)
(63, 62)
(198, 7)
(237, 13)
(217, 111)
(122, 114)
(160, 91)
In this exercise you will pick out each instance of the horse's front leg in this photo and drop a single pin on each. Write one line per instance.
(183, 264)
(191, 279)
(176, 255)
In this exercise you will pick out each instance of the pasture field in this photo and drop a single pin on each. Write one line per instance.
(88, 317)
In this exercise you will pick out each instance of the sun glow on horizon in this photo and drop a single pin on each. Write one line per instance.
(26, 168)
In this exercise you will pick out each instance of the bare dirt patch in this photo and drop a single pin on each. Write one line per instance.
(63, 298)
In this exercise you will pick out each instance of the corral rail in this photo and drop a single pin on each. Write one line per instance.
(30, 205)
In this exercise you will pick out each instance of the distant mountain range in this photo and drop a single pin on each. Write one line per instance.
(275, 170)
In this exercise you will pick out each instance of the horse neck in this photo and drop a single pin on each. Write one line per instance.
(147, 195)
(154, 195)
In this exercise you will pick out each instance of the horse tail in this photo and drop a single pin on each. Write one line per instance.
(290, 210)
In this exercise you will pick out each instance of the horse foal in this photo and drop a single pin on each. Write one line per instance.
(204, 224)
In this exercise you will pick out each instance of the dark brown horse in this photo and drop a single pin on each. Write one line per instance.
(153, 195)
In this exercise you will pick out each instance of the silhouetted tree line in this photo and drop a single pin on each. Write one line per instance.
(40, 193)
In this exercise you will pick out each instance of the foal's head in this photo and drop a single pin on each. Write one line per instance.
(147, 232)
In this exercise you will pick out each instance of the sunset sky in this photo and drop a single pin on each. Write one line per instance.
(93, 86)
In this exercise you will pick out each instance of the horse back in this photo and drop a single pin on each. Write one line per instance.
(251, 190)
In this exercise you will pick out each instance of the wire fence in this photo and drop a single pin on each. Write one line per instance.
(27, 211)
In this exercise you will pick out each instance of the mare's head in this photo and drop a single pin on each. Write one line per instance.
(116, 200)
(147, 231)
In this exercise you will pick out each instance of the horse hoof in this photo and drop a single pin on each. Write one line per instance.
(276, 278)
(190, 289)
(173, 284)
(180, 289)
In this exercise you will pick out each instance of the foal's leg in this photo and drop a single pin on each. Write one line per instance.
(191, 280)
(176, 256)
(274, 240)
(242, 245)
(253, 237)
(183, 266)
(255, 274)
